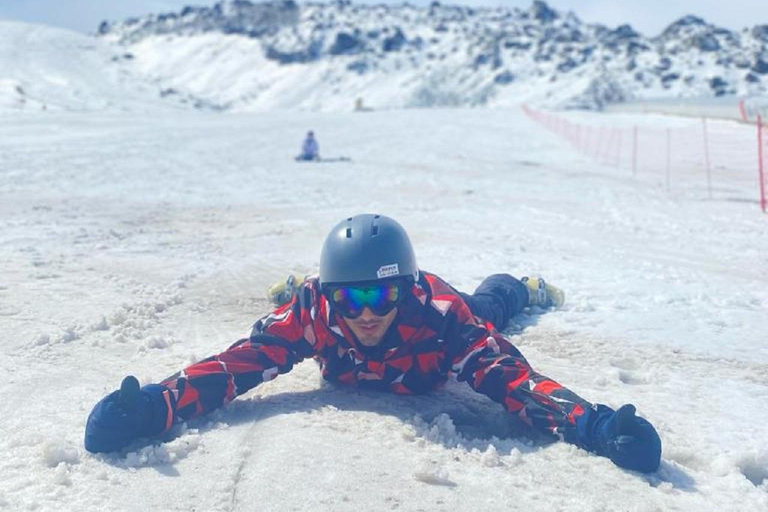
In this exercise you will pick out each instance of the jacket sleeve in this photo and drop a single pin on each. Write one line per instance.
(490, 364)
(276, 343)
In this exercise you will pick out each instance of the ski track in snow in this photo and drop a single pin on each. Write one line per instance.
(135, 245)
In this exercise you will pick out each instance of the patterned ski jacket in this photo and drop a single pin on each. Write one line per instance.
(434, 336)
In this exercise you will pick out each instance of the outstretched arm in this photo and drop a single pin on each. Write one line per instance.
(276, 344)
(217, 380)
(491, 365)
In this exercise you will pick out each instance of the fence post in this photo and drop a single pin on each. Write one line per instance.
(605, 136)
(634, 151)
(578, 137)
(669, 156)
(587, 140)
(599, 144)
(761, 162)
(609, 158)
(706, 157)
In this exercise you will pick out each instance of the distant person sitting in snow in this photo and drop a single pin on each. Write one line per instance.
(310, 150)
(374, 320)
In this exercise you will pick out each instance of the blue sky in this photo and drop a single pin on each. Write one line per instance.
(648, 16)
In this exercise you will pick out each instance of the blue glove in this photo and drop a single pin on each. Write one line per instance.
(128, 414)
(629, 441)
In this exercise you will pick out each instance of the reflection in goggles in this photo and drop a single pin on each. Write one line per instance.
(351, 300)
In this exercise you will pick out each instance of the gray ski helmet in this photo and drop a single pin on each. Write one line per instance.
(367, 247)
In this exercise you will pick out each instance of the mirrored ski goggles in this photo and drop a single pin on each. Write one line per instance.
(350, 300)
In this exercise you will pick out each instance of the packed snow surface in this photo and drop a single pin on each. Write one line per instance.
(137, 244)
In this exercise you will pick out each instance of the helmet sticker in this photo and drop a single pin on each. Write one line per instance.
(388, 271)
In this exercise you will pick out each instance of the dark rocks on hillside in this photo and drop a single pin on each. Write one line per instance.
(504, 78)
(237, 17)
(569, 36)
(685, 26)
(285, 57)
(311, 53)
(483, 45)
(742, 63)
(531, 31)
(664, 64)
(346, 44)
(430, 95)
(124, 56)
(724, 61)
(542, 12)
(726, 37)
(668, 79)
(634, 47)
(518, 45)
(394, 42)
(760, 32)
(188, 10)
(481, 60)
(359, 66)
(622, 35)
(599, 93)
(685, 21)
(718, 85)
(706, 43)
(567, 65)
(760, 66)
(624, 32)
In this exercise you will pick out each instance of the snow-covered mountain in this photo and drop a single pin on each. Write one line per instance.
(52, 69)
(245, 56)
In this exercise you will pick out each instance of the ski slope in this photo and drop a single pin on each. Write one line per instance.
(137, 244)
(46, 68)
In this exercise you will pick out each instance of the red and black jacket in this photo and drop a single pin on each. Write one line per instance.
(434, 336)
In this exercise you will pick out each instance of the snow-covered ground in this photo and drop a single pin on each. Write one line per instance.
(135, 244)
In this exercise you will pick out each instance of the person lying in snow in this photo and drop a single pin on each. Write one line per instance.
(373, 319)
(310, 150)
